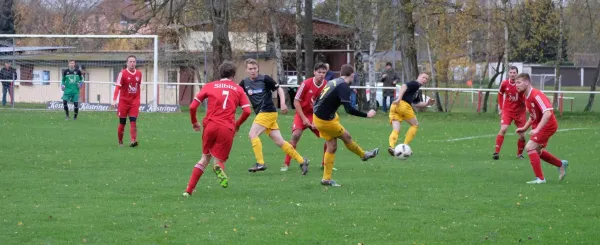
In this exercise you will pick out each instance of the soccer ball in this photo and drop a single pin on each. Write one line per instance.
(402, 151)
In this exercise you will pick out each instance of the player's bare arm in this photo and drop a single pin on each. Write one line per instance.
(403, 89)
(281, 96)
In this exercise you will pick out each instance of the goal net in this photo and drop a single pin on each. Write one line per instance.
(38, 63)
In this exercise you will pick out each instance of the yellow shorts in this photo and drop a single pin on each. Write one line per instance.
(402, 111)
(267, 120)
(329, 129)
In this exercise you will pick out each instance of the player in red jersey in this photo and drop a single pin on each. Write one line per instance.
(511, 108)
(224, 96)
(308, 92)
(127, 91)
(541, 117)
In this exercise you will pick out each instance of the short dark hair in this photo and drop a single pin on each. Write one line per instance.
(514, 68)
(227, 69)
(70, 61)
(320, 65)
(523, 76)
(346, 70)
(388, 64)
(131, 56)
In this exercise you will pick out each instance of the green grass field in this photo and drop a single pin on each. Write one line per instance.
(67, 182)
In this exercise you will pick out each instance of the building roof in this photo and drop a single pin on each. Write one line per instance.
(28, 49)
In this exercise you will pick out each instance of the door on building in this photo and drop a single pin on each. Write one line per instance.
(186, 92)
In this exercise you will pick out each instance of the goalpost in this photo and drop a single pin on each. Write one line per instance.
(39, 61)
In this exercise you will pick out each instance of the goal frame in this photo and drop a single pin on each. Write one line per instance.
(155, 51)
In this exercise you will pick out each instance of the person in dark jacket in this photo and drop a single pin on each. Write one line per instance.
(389, 79)
(329, 75)
(8, 75)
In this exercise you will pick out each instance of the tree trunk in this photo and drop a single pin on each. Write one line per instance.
(407, 39)
(488, 43)
(299, 54)
(220, 42)
(7, 22)
(436, 94)
(361, 96)
(276, 41)
(372, 47)
(491, 82)
(559, 55)
(590, 103)
(506, 35)
(308, 38)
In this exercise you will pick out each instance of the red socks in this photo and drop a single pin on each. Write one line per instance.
(120, 131)
(196, 174)
(288, 158)
(221, 164)
(499, 141)
(534, 159)
(133, 131)
(520, 146)
(549, 158)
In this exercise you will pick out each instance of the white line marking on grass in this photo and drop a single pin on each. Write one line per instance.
(494, 135)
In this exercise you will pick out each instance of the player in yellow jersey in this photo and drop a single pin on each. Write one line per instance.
(259, 89)
(326, 120)
(401, 110)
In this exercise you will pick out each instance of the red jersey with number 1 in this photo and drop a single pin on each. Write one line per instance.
(307, 94)
(129, 85)
(537, 103)
(224, 96)
(509, 98)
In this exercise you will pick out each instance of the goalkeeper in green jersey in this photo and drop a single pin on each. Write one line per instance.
(72, 80)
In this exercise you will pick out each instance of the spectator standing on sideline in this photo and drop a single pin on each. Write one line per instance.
(8, 75)
(389, 79)
(329, 75)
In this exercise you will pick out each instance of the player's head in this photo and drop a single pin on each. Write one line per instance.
(7, 64)
(252, 68)
(423, 78)
(512, 72)
(71, 64)
(320, 71)
(326, 66)
(347, 73)
(131, 62)
(227, 70)
(388, 66)
(522, 82)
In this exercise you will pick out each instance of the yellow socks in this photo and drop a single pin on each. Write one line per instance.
(290, 151)
(328, 168)
(410, 135)
(394, 138)
(354, 148)
(258, 152)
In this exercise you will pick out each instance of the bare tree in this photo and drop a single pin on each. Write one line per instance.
(276, 39)
(359, 72)
(308, 38)
(220, 42)
(372, 48)
(559, 53)
(407, 39)
(7, 21)
(299, 53)
(506, 34)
